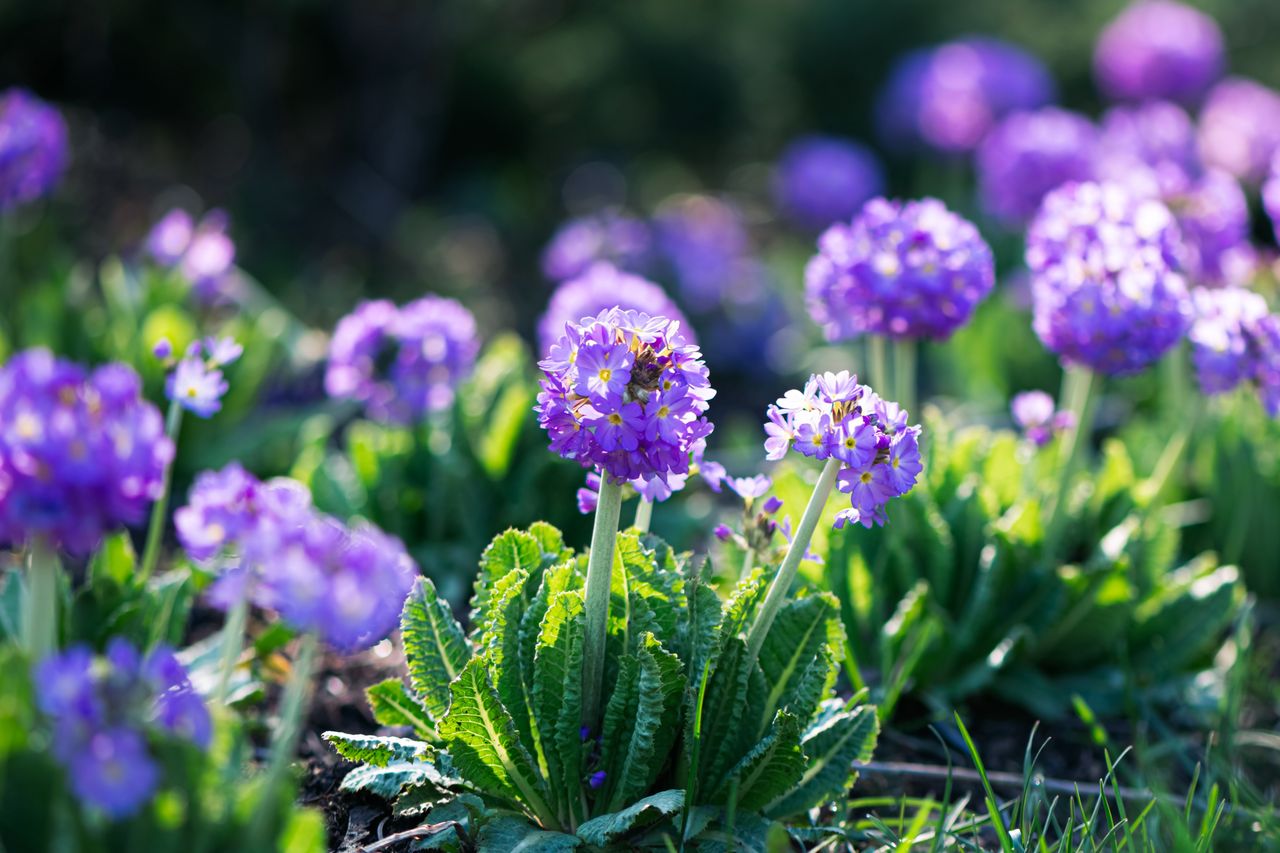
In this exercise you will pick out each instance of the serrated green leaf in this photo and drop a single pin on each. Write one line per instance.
(510, 551)
(550, 541)
(393, 706)
(772, 767)
(513, 835)
(377, 750)
(735, 698)
(501, 643)
(609, 828)
(482, 740)
(831, 747)
(390, 781)
(1185, 619)
(797, 638)
(701, 623)
(557, 700)
(742, 603)
(641, 722)
(435, 646)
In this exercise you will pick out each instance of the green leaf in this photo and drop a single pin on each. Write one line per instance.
(501, 639)
(735, 698)
(830, 747)
(769, 769)
(495, 447)
(641, 722)
(482, 740)
(741, 605)
(393, 706)
(393, 779)
(608, 828)
(702, 623)
(557, 699)
(376, 749)
(114, 560)
(1185, 619)
(510, 551)
(550, 540)
(797, 638)
(435, 646)
(513, 835)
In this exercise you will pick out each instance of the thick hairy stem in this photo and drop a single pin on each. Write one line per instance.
(1079, 387)
(40, 619)
(604, 537)
(232, 643)
(644, 515)
(904, 372)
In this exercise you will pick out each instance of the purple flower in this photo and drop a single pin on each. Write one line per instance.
(1149, 147)
(607, 381)
(1240, 128)
(402, 364)
(598, 288)
(1030, 153)
(1266, 371)
(595, 780)
(947, 97)
(223, 351)
(81, 454)
(203, 253)
(33, 148)
(1104, 282)
(163, 350)
(706, 244)
(723, 532)
(1213, 216)
(820, 179)
(877, 465)
(1224, 337)
(65, 687)
(1159, 49)
(113, 771)
(906, 270)
(580, 243)
(1271, 195)
(1033, 412)
(169, 238)
(749, 488)
(196, 385)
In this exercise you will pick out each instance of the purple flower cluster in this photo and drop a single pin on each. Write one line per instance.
(705, 242)
(1033, 412)
(906, 270)
(948, 97)
(1104, 284)
(835, 417)
(202, 253)
(33, 148)
(580, 243)
(1271, 195)
(81, 454)
(402, 363)
(600, 287)
(1159, 49)
(346, 584)
(102, 710)
(1236, 340)
(625, 393)
(821, 179)
(1030, 153)
(196, 381)
(1240, 128)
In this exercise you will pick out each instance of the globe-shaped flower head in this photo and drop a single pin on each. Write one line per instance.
(402, 363)
(33, 148)
(81, 454)
(1271, 195)
(610, 236)
(820, 179)
(1105, 287)
(1240, 128)
(600, 287)
(947, 98)
(906, 270)
(1159, 49)
(1030, 153)
(626, 393)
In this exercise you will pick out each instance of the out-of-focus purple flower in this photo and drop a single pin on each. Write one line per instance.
(834, 416)
(821, 179)
(723, 533)
(749, 488)
(1213, 216)
(1104, 282)
(580, 243)
(33, 148)
(589, 494)
(113, 771)
(1224, 337)
(648, 429)
(169, 238)
(1240, 128)
(948, 97)
(163, 350)
(223, 351)
(600, 287)
(706, 244)
(1266, 371)
(1159, 49)
(346, 584)
(81, 454)
(906, 270)
(203, 253)
(1271, 195)
(772, 505)
(1030, 153)
(595, 780)
(404, 363)
(1150, 148)
(1033, 412)
(197, 384)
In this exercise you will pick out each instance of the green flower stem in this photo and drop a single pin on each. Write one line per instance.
(904, 373)
(781, 584)
(284, 741)
(160, 509)
(1170, 458)
(40, 621)
(748, 562)
(1079, 395)
(604, 537)
(644, 515)
(232, 643)
(877, 364)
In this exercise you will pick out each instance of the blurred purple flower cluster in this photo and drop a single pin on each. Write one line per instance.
(835, 417)
(1033, 412)
(1030, 153)
(102, 710)
(1236, 340)
(947, 97)
(347, 584)
(1105, 284)
(402, 363)
(625, 393)
(1156, 49)
(602, 286)
(822, 179)
(906, 270)
(81, 454)
(1240, 128)
(33, 148)
(202, 253)
(610, 236)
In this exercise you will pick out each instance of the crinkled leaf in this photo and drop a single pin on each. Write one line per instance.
(390, 781)
(797, 638)
(557, 699)
(769, 769)
(831, 747)
(514, 835)
(742, 604)
(393, 706)
(377, 750)
(435, 646)
(608, 828)
(510, 551)
(735, 698)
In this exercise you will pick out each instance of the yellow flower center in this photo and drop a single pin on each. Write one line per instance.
(615, 419)
(866, 477)
(605, 374)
